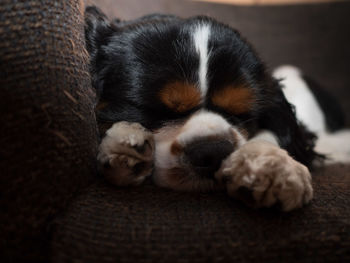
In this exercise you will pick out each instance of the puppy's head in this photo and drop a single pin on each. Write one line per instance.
(196, 84)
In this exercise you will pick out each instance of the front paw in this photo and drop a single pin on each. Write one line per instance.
(269, 176)
(126, 153)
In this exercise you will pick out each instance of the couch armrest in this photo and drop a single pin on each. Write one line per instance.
(48, 134)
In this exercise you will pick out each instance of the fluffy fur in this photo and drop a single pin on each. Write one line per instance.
(202, 92)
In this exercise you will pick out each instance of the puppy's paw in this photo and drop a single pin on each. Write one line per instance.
(126, 153)
(262, 175)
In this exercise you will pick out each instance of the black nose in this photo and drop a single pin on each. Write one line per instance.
(206, 155)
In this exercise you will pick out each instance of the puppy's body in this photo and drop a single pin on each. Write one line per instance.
(319, 111)
(208, 100)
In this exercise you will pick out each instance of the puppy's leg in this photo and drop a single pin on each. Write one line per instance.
(262, 174)
(126, 153)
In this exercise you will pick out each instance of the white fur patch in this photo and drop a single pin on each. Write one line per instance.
(200, 38)
(336, 146)
(204, 124)
(297, 93)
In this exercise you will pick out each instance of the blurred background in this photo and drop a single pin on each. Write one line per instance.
(311, 34)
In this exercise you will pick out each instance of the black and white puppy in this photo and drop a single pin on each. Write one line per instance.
(190, 102)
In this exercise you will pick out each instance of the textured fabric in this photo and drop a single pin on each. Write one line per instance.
(48, 131)
(149, 224)
(314, 37)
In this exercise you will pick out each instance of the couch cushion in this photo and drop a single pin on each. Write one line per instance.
(150, 224)
(48, 131)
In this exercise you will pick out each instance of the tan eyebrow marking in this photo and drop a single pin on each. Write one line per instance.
(180, 96)
(234, 99)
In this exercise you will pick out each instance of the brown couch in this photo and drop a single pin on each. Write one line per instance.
(55, 207)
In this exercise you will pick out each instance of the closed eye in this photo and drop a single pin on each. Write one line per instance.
(237, 100)
(180, 97)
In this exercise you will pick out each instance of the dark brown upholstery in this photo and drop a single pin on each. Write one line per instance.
(148, 224)
(48, 131)
(48, 145)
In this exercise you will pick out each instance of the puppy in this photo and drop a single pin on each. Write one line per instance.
(190, 102)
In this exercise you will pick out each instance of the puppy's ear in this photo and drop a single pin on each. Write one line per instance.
(279, 117)
(97, 29)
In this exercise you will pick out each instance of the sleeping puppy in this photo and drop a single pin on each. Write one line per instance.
(190, 102)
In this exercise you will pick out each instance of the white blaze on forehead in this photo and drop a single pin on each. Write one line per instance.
(200, 37)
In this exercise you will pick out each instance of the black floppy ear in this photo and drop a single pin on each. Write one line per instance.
(97, 29)
(279, 117)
